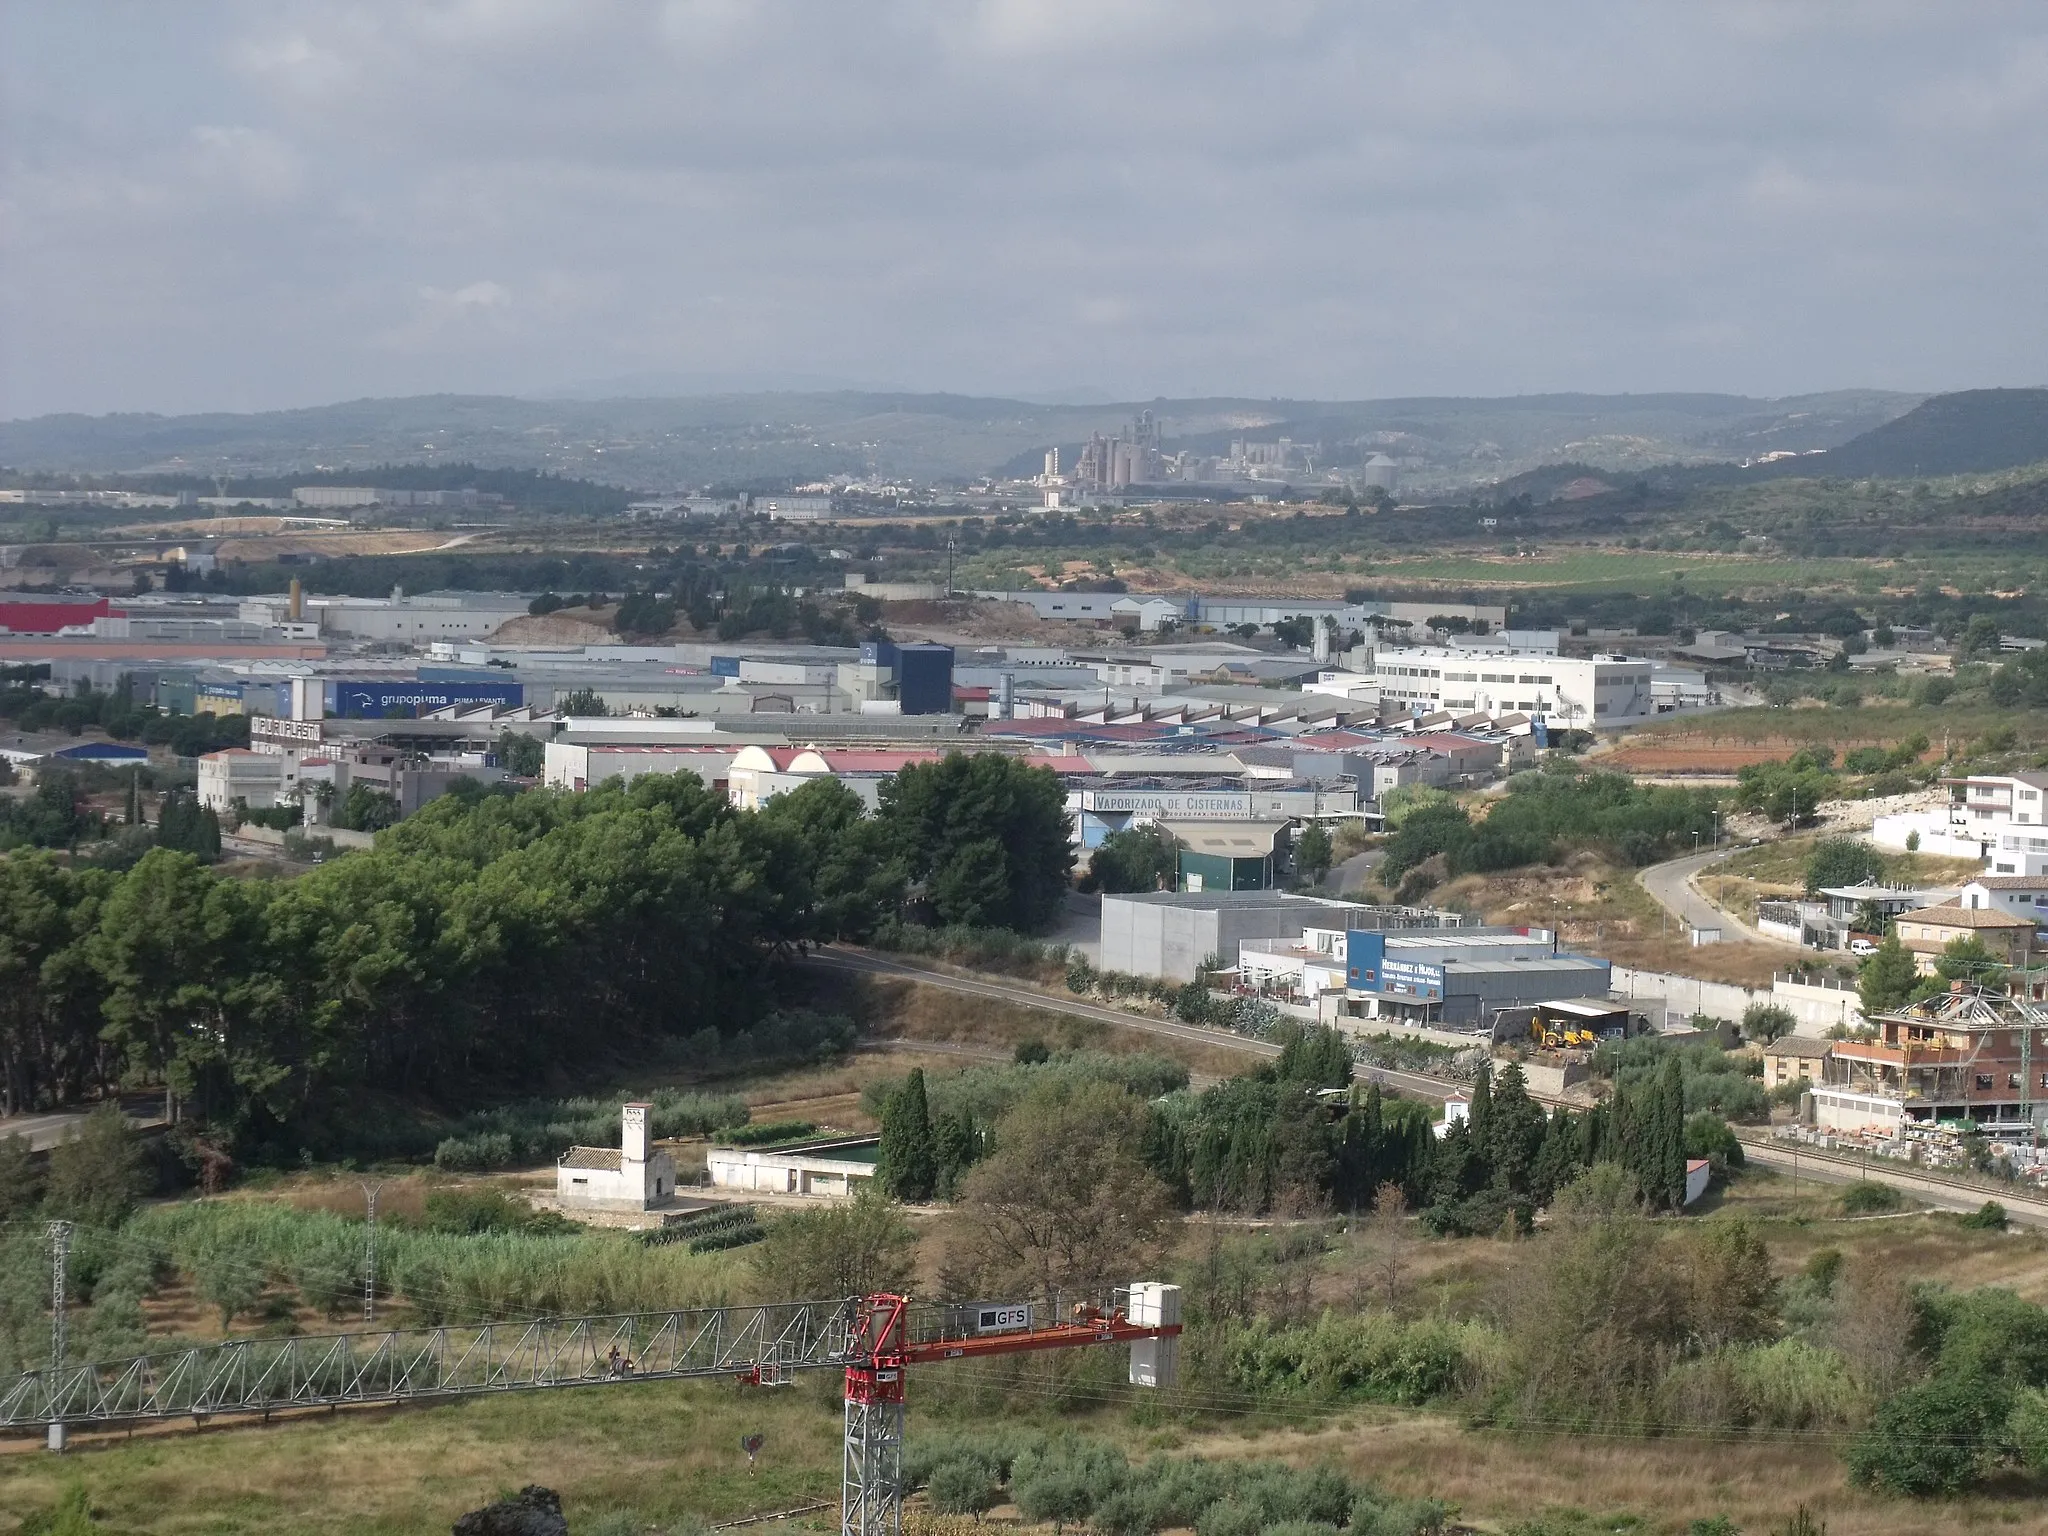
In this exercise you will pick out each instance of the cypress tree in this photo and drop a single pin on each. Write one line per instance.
(1558, 1158)
(1515, 1133)
(1481, 1121)
(1669, 1168)
(134, 796)
(1378, 1165)
(907, 1163)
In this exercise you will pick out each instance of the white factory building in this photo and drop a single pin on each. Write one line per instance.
(419, 620)
(1577, 693)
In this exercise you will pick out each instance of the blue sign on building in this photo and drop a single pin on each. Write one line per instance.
(1367, 969)
(399, 698)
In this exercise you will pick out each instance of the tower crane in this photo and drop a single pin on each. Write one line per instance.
(873, 1339)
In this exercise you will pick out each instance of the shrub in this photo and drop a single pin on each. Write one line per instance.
(1866, 1197)
(766, 1132)
(1924, 1442)
(963, 1487)
(1372, 1356)
(1989, 1216)
(474, 1154)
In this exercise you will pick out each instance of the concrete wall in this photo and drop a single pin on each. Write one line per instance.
(1146, 939)
(1816, 1008)
(1549, 1080)
(1684, 995)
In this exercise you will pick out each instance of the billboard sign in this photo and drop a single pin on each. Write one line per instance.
(1412, 978)
(398, 698)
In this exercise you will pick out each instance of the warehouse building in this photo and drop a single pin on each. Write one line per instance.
(1170, 933)
(1229, 855)
(1583, 694)
(1462, 977)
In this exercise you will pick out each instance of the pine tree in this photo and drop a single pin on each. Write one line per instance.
(1886, 979)
(1458, 1169)
(907, 1163)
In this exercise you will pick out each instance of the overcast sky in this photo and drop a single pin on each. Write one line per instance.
(237, 206)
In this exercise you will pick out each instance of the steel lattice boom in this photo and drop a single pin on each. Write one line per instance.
(266, 1375)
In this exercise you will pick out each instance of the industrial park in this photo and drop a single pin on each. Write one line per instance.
(1023, 770)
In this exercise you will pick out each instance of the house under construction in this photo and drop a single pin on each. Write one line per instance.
(1967, 1057)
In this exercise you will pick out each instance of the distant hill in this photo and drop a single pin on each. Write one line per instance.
(1970, 432)
(1443, 444)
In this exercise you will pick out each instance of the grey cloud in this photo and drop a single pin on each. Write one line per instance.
(258, 204)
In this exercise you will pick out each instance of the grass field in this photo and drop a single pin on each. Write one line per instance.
(1869, 725)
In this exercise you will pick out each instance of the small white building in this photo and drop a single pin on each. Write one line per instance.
(628, 1177)
(256, 779)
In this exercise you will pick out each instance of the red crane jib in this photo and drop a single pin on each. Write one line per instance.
(880, 1352)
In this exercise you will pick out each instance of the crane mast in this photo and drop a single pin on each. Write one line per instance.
(885, 1339)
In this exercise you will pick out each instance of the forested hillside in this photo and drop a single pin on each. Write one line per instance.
(485, 941)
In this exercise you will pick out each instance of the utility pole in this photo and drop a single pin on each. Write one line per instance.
(951, 545)
(370, 1253)
(60, 1257)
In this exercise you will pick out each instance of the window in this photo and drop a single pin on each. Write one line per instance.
(1984, 1081)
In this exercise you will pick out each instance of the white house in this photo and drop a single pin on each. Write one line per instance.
(2020, 895)
(627, 1177)
(2020, 853)
(2000, 799)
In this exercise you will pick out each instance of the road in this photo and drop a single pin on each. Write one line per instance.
(1351, 874)
(869, 964)
(45, 1131)
(1670, 886)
